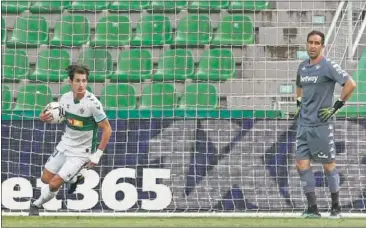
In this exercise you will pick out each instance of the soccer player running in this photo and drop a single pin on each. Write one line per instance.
(316, 78)
(77, 149)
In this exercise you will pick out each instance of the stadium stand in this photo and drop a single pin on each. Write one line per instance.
(33, 97)
(159, 96)
(133, 65)
(236, 60)
(118, 96)
(6, 98)
(50, 66)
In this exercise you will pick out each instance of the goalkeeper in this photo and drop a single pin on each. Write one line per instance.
(77, 148)
(316, 79)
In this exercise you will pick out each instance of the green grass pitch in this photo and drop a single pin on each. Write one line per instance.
(12, 221)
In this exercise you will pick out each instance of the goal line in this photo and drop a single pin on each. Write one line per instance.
(196, 215)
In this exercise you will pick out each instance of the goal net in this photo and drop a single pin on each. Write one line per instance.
(200, 96)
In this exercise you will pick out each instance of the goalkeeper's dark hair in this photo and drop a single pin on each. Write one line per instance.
(315, 32)
(77, 69)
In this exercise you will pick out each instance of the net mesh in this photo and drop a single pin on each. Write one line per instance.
(200, 96)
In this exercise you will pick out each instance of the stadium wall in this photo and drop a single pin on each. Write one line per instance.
(184, 165)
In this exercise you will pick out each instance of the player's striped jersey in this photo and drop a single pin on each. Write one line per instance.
(82, 117)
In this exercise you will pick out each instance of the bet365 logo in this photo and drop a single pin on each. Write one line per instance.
(109, 188)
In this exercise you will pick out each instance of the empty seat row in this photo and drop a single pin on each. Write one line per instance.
(116, 30)
(122, 96)
(134, 65)
(125, 5)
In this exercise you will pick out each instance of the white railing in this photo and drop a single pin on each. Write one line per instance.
(360, 30)
(334, 23)
(346, 24)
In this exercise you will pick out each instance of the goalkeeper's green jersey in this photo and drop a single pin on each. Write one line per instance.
(82, 118)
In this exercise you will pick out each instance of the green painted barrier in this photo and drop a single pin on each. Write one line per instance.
(152, 113)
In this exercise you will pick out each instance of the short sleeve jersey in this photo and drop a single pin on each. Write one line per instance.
(82, 118)
(317, 82)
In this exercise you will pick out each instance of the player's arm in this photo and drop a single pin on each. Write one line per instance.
(348, 88)
(337, 74)
(298, 94)
(344, 79)
(298, 87)
(106, 134)
(101, 118)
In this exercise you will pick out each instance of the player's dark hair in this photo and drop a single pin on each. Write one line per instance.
(77, 69)
(315, 32)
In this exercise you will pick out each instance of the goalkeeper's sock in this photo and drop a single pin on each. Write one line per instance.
(308, 182)
(335, 198)
(310, 196)
(333, 180)
(333, 184)
(46, 195)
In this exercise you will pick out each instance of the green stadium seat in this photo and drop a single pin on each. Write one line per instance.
(208, 6)
(49, 6)
(133, 65)
(15, 65)
(99, 62)
(67, 88)
(118, 96)
(216, 65)
(29, 32)
(159, 96)
(249, 5)
(199, 96)
(193, 30)
(3, 31)
(33, 97)
(153, 30)
(112, 31)
(72, 31)
(91, 6)
(125, 5)
(234, 30)
(14, 7)
(51, 65)
(167, 6)
(175, 65)
(6, 98)
(359, 94)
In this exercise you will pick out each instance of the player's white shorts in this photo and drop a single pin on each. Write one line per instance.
(65, 166)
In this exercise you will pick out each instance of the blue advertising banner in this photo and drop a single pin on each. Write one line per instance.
(196, 165)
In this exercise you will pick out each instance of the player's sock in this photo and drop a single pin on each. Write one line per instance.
(310, 196)
(46, 195)
(333, 184)
(335, 198)
(308, 180)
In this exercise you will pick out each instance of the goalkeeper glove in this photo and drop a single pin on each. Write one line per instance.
(325, 114)
(298, 103)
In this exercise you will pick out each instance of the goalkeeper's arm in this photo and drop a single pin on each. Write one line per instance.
(347, 90)
(326, 113)
(298, 96)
